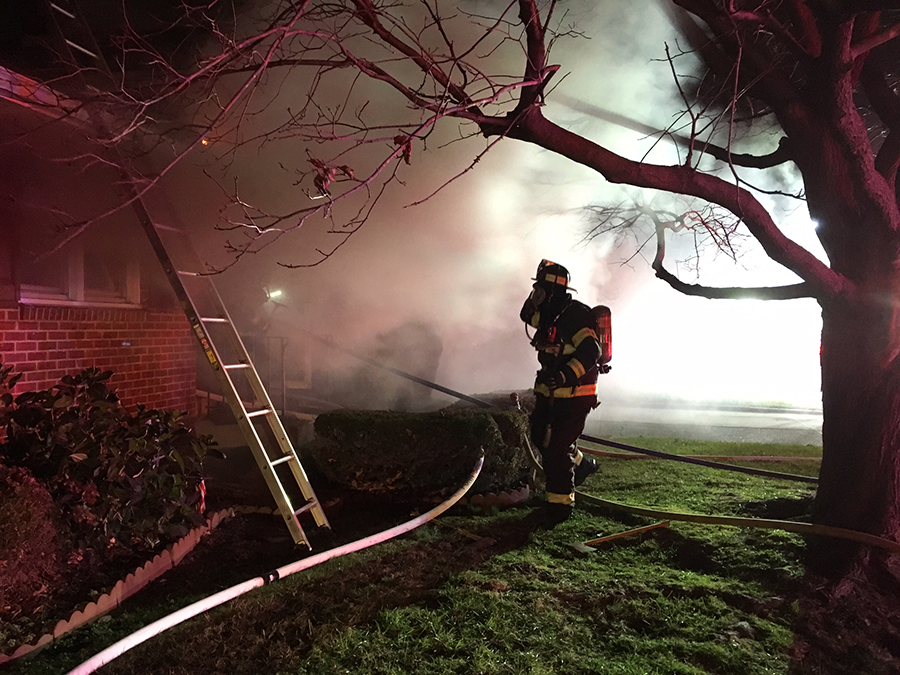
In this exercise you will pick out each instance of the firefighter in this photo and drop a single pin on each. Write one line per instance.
(566, 385)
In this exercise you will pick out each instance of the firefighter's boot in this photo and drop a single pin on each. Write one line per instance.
(584, 469)
(554, 514)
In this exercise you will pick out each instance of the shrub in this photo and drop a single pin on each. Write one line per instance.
(29, 555)
(116, 476)
(420, 456)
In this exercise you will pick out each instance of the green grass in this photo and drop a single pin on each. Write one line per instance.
(688, 599)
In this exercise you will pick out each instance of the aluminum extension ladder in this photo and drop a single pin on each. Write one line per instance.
(227, 355)
(248, 399)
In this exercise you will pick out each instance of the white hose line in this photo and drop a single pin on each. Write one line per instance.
(220, 598)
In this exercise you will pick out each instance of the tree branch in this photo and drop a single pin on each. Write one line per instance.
(824, 283)
(290, 63)
(809, 34)
(886, 105)
(759, 71)
(789, 292)
(778, 156)
(852, 134)
(765, 18)
(869, 43)
(536, 52)
(368, 13)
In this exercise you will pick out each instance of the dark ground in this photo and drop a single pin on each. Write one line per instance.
(851, 628)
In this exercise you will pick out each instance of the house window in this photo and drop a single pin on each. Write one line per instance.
(82, 273)
(109, 278)
(47, 279)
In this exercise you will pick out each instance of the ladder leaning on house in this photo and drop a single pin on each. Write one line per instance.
(228, 356)
(203, 306)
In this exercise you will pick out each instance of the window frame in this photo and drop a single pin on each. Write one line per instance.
(76, 295)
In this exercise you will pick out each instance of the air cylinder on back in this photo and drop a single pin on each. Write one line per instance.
(603, 320)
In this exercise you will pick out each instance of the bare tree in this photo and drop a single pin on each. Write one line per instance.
(824, 73)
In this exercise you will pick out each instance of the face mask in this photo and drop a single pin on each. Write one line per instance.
(538, 296)
(533, 304)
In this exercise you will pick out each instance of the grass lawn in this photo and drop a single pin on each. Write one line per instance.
(485, 593)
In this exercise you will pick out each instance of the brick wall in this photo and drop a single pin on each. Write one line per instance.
(152, 354)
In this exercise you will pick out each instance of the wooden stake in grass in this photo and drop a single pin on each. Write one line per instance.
(626, 533)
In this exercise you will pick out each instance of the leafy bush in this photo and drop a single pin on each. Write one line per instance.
(116, 476)
(420, 456)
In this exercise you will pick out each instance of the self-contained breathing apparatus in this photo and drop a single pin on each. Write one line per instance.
(603, 328)
(545, 339)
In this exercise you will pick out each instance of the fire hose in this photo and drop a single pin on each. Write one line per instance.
(220, 598)
(736, 521)
(700, 462)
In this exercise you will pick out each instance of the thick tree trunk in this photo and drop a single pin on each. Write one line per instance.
(858, 483)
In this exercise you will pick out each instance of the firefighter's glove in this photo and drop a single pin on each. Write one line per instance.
(553, 379)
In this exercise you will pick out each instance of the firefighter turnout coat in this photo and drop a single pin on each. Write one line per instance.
(570, 346)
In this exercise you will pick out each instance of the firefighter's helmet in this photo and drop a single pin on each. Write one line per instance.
(552, 274)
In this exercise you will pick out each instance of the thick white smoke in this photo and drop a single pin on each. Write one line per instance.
(462, 262)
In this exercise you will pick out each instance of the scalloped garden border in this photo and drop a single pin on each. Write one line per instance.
(127, 587)
(509, 497)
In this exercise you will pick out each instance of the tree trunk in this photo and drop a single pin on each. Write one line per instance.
(861, 416)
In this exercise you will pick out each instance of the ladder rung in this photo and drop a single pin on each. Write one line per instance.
(308, 506)
(257, 413)
(80, 40)
(282, 460)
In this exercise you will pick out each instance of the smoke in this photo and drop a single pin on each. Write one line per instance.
(435, 289)
(413, 347)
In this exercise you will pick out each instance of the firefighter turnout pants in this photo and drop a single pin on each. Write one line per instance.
(556, 424)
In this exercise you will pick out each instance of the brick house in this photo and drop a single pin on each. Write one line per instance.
(101, 298)
(152, 353)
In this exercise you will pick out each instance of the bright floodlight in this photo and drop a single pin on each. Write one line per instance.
(274, 294)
